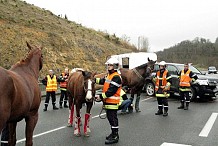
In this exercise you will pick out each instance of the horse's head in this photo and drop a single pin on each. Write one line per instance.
(89, 85)
(36, 52)
(150, 66)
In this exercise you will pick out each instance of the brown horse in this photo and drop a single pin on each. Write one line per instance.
(20, 95)
(81, 90)
(135, 79)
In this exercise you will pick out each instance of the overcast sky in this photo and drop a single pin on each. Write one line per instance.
(164, 22)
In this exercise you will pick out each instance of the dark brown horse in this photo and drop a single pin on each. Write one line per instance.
(20, 95)
(135, 79)
(81, 90)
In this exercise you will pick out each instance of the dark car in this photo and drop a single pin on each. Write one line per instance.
(212, 69)
(204, 87)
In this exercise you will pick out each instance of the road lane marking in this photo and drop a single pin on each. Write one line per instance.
(97, 116)
(146, 99)
(173, 144)
(206, 130)
(22, 140)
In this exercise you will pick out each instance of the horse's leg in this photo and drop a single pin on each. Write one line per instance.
(71, 111)
(137, 101)
(77, 120)
(12, 134)
(87, 118)
(5, 136)
(30, 126)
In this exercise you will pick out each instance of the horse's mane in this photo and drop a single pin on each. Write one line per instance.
(142, 66)
(26, 59)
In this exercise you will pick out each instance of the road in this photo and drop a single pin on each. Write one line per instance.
(191, 127)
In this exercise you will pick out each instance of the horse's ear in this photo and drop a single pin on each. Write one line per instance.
(149, 59)
(83, 73)
(28, 45)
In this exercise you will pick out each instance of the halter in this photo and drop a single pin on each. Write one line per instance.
(137, 73)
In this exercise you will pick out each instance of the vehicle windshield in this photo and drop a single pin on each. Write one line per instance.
(212, 68)
(192, 68)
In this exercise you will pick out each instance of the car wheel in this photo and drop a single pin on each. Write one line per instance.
(192, 94)
(149, 89)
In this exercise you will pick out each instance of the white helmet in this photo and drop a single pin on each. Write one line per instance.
(112, 60)
(162, 63)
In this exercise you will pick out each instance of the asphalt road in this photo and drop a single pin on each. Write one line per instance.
(136, 129)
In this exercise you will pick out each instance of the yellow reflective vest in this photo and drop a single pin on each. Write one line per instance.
(51, 84)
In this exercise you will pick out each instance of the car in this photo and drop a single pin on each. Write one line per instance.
(212, 69)
(205, 87)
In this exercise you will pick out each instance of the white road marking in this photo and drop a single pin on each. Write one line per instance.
(97, 116)
(206, 130)
(173, 144)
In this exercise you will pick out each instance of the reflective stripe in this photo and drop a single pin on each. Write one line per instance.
(114, 127)
(162, 95)
(4, 141)
(184, 89)
(111, 106)
(160, 105)
(165, 106)
(64, 89)
(114, 83)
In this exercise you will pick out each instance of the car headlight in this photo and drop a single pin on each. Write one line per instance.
(202, 82)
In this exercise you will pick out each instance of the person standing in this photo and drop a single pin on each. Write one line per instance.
(51, 87)
(185, 76)
(63, 78)
(111, 97)
(162, 85)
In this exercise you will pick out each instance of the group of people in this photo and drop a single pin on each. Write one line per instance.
(51, 82)
(163, 81)
(114, 97)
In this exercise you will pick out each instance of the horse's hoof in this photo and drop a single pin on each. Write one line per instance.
(77, 134)
(69, 125)
(86, 134)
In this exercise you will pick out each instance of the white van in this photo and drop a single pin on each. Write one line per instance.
(134, 59)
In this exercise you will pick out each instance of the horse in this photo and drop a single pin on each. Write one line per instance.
(135, 79)
(20, 95)
(81, 90)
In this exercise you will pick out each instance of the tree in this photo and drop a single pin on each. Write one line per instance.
(143, 44)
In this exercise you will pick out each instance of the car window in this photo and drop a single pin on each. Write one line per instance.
(156, 68)
(212, 68)
(192, 68)
(172, 70)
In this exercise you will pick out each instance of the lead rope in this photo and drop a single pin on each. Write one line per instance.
(101, 115)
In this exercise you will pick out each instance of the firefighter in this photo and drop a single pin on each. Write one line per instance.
(111, 97)
(50, 81)
(185, 76)
(63, 87)
(162, 85)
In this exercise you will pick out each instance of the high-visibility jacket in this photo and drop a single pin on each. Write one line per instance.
(163, 79)
(51, 84)
(165, 84)
(113, 101)
(185, 79)
(63, 85)
(121, 98)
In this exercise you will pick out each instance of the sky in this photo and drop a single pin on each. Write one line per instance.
(164, 22)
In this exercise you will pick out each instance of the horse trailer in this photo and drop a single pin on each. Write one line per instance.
(134, 59)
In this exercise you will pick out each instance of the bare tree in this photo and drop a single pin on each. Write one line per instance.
(143, 44)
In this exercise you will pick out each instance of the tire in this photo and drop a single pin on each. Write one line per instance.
(149, 89)
(192, 94)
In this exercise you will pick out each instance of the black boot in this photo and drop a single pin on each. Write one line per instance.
(45, 109)
(159, 112)
(113, 139)
(165, 113)
(130, 108)
(109, 136)
(65, 105)
(187, 105)
(54, 107)
(182, 105)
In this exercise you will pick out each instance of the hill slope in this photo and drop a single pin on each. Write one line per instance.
(66, 44)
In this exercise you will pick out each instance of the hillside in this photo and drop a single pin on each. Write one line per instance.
(201, 52)
(66, 43)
